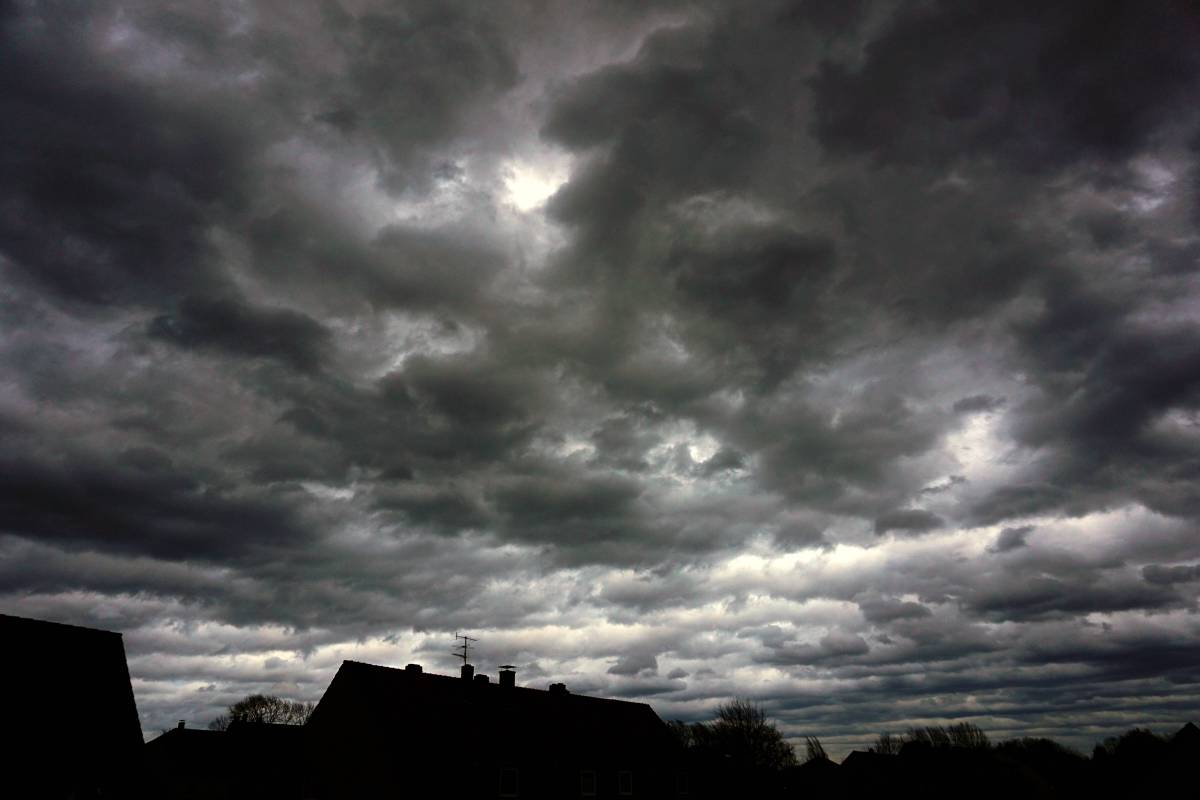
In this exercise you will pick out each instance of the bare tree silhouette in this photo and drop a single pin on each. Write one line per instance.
(264, 708)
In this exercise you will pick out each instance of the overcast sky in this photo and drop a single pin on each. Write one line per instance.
(838, 355)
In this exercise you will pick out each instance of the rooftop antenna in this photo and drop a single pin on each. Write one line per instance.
(465, 647)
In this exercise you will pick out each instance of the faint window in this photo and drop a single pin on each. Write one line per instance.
(587, 782)
(625, 782)
(508, 782)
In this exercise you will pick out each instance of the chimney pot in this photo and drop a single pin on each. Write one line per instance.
(468, 672)
(508, 676)
(413, 669)
(180, 725)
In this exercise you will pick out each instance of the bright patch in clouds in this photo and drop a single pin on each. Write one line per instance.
(528, 185)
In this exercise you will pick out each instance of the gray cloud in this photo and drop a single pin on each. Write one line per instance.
(1012, 539)
(1165, 576)
(909, 521)
(236, 329)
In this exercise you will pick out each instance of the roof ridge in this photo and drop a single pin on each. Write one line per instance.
(569, 697)
(61, 624)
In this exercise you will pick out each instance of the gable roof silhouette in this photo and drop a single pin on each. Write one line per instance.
(868, 760)
(248, 759)
(1187, 738)
(439, 712)
(190, 743)
(68, 685)
(68, 676)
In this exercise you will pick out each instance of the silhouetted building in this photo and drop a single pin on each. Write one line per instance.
(380, 731)
(249, 760)
(69, 712)
(817, 777)
(867, 774)
(1187, 739)
(187, 764)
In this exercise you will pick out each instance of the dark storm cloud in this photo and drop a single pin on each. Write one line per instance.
(1034, 84)
(909, 521)
(882, 610)
(292, 368)
(836, 646)
(1017, 501)
(1106, 381)
(237, 329)
(400, 267)
(977, 402)
(463, 395)
(138, 501)
(447, 53)
(1165, 576)
(635, 664)
(1012, 539)
(108, 186)
(724, 460)
(1052, 595)
(619, 443)
(580, 511)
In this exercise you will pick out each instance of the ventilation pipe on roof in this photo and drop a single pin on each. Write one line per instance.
(508, 676)
(468, 671)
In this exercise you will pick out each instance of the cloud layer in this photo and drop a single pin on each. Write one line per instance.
(841, 356)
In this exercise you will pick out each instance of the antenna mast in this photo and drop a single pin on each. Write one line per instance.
(465, 647)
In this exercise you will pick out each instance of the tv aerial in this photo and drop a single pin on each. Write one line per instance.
(463, 650)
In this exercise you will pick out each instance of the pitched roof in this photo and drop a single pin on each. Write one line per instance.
(817, 765)
(1187, 736)
(431, 709)
(66, 677)
(68, 689)
(868, 760)
(191, 742)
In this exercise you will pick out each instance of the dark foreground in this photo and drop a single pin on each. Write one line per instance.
(403, 733)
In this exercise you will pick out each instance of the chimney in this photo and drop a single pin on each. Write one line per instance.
(468, 672)
(179, 727)
(413, 669)
(481, 680)
(508, 676)
(558, 688)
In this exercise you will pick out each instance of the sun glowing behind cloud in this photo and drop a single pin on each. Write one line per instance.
(529, 185)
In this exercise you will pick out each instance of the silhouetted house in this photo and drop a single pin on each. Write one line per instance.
(1182, 757)
(867, 774)
(249, 760)
(815, 777)
(1187, 739)
(69, 713)
(187, 764)
(264, 760)
(387, 732)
